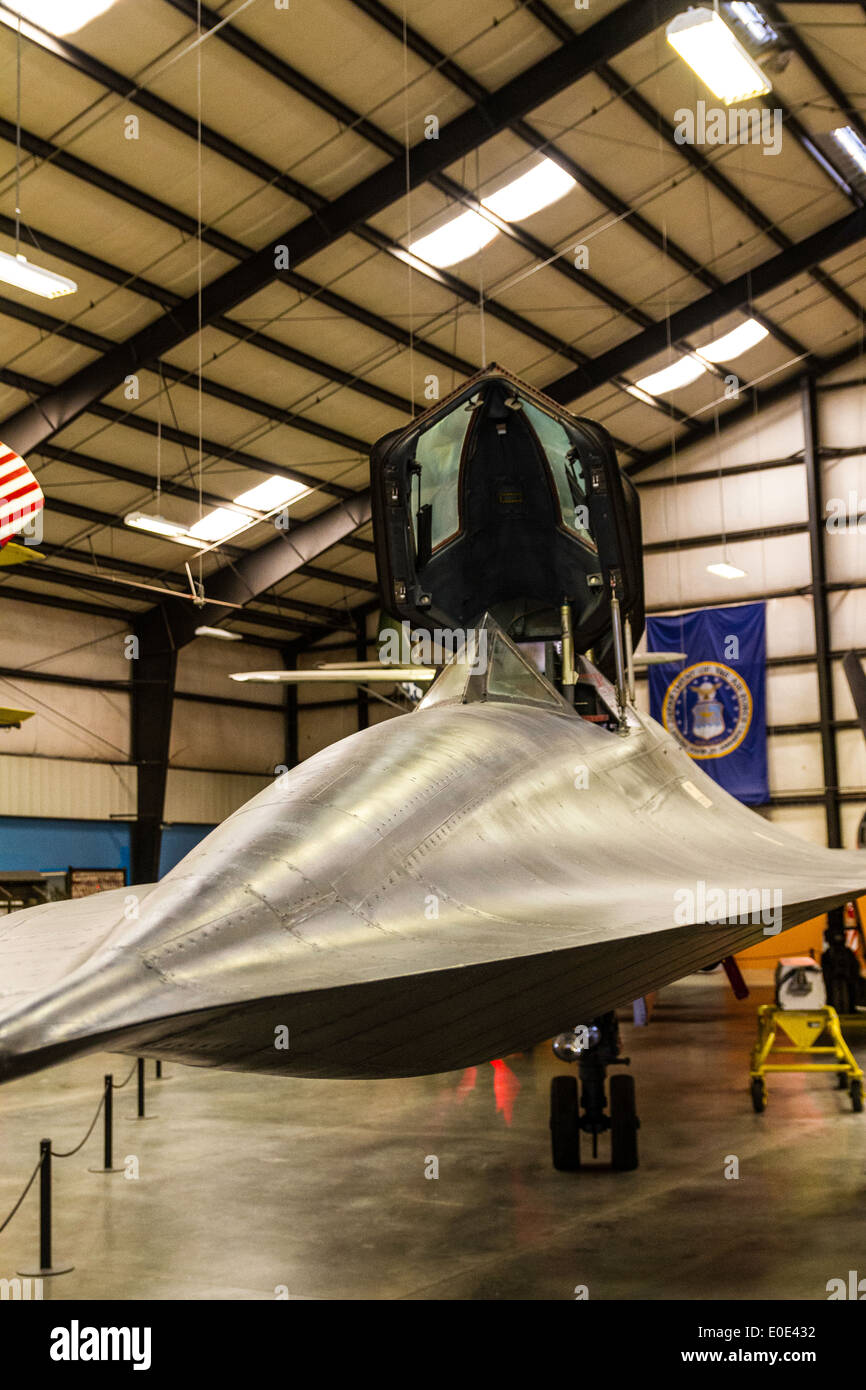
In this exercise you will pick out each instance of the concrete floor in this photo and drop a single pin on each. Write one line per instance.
(249, 1185)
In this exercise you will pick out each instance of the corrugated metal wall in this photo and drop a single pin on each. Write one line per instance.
(677, 576)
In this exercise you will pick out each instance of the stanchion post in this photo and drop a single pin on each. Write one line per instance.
(45, 1267)
(141, 1115)
(158, 1069)
(45, 1204)
(109, 1104)
(108, 1129)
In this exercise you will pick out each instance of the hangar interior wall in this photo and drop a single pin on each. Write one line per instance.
(67, 786)
(679, 507)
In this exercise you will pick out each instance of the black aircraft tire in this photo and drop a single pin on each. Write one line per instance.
(623, 1124)
(564, 1124)
(855, 1091)
(759, 1095)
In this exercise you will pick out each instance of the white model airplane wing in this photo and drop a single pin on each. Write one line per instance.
(357, 675)
(642, 659)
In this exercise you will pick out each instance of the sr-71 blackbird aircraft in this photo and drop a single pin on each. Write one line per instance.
(521, 854)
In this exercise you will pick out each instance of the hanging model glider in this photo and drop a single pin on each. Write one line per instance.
(14, 718)
(520, 854)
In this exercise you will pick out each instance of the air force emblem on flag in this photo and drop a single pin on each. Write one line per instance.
(716, 705)
(708, 707)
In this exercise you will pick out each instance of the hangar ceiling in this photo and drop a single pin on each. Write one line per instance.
(270, 129)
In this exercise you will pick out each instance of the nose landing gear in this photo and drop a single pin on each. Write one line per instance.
(594, 1048)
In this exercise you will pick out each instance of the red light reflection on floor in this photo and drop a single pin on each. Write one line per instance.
(505, 1088)
(467, 1082)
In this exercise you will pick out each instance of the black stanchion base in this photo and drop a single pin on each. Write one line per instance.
(45, 1273)
(143, 1117)
(106, 1170)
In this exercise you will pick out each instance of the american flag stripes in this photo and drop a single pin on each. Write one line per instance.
(21, 497)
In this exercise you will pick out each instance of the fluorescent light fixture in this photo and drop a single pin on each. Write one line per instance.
(726, 571)
(546, 183)
(704, 41)
(463, 236)
(274, 492)
(734, 344)
(759, 29)
(61, 16)
(218, 524)
(641, 396)
(219, 632)
(18, 271)
(853, 146)
(680, 373)
(156, 525)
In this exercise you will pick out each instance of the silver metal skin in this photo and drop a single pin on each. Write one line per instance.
(437, 890)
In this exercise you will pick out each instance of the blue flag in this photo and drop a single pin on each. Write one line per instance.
(714, 702)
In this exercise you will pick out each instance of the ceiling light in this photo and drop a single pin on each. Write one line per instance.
(219, 632)
(274, 492)
(156, 525)
(680, 373)
(734, 344)
(641, 396)
(853, 146)
(704, 41)
(61, 16)
(758, 28)
(726, 571)
(543, 185)
(461, 237)
(18, 271)
(218, 524)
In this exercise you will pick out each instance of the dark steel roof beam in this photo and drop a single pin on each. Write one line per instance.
(37, 318)
(555, 72)
(711, 171)
(537, 140)
(183, 438)
(262, 569)
(326, 617)
(71, 605)
(238, 330)
(761, 279)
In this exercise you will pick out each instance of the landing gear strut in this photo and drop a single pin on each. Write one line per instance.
(594, 1048)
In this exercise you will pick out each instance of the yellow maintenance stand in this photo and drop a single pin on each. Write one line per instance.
(803, 1027)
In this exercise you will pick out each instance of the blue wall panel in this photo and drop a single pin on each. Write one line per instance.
(178, 840)
(48, 845)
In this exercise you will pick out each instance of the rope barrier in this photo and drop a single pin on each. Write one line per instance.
(119, 1085)
(69, 1152)
(66, 1153)
(30, 1183)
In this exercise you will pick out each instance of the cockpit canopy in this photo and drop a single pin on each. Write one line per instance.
(498, 499)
